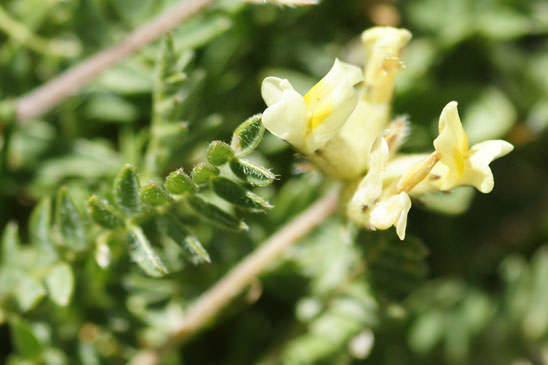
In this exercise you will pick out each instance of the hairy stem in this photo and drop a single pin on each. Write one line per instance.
(209, 304)
(52, 93)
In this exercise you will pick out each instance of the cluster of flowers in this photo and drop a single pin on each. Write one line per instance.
(342, 124)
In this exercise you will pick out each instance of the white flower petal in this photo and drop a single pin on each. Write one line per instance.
(330, 102)
(370, 187)
(286, 118)
(452, 143)
(272, 89)
(460, 165)
(392, 212)
(478, 172)
(383, 46)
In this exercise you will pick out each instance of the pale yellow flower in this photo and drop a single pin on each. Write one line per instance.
(370, 204)
(459, 164)
(341, 123)
(371, 116)
(336, 122)
(308, 122)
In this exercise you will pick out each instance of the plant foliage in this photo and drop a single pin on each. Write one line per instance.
(135, 195)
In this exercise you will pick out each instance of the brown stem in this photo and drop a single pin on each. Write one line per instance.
(45, 97)
(209, 304)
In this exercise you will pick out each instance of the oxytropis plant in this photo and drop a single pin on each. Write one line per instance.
(343, 125)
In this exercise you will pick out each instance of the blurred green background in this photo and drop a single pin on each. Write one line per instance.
(466, 288)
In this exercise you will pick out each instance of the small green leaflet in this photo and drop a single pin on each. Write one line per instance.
(178, 182)
(126, 190)
(248, 135)
(219, 153)
(154, 195)
(143, 254)
(103, 214)
(237, 195)
(254, 175)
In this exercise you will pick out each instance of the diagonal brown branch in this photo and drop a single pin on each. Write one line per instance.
(42, 99)
(209, 304)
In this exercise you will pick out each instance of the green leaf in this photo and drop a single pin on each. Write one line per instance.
(143, 254)
(102, 213)
(126, 190)
(395, 267)
(178, 233)
(215, 214)
(10, 243)
(40, 223)
(203, 172)
(23, 338)
(178, 182)
(28, 293)
(69, 221)
(236, 194)
(219, 153)
(254, 175)
(248, 135)
(60, 283)
(196, 247)
(154, 195)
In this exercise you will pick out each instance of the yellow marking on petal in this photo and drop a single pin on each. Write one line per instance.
(317, 117)
(316, 93)
(459, 157)
(318, 107)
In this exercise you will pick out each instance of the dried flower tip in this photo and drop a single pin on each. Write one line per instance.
(396, 133)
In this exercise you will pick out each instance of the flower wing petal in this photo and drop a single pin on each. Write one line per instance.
(392, 212)
(370, 188)
(478, 172)
(272, 89)
(330, 102)
(285, 116)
